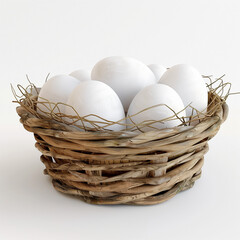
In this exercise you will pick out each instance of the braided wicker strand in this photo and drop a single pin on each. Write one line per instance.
(123, 167)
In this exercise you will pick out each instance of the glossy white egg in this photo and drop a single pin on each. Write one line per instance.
(126, 76)
(82, 74)
(158, 70)
(154, 95)
(56, 90)
(94, 97)
(190, 86)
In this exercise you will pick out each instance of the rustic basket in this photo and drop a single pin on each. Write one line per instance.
(124, 167)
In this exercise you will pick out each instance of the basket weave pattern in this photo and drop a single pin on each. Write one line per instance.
(123, 167)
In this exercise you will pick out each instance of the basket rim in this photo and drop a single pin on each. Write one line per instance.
(61, 130)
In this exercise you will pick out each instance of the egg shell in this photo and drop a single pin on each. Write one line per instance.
(158, 70)
(153, 95)
(126, 76)
(190, 86)
(56, 90)
(94, 97)
(82, 75)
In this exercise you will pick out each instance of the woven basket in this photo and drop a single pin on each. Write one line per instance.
(124, 167)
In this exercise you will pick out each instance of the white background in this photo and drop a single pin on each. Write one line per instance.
(58, 36)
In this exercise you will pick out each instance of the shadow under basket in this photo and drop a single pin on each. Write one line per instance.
(124, 167)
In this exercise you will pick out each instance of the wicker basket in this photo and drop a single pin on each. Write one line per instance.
(124, 167)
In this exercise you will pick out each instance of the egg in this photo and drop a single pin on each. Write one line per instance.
(56, 89)
(81, 74)
(190, 86)
(126, 76)
(94, 97)
(149, 97)
(158, 70)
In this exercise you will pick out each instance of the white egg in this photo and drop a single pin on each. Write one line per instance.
(190, 86)
(94, 97)
(81, 74)
(56, 90)
(154, 95)
(126, 76)
(158, 70)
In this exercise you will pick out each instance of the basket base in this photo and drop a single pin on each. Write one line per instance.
(148, 200)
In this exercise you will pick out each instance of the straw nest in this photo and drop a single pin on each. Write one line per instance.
(127, 167)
